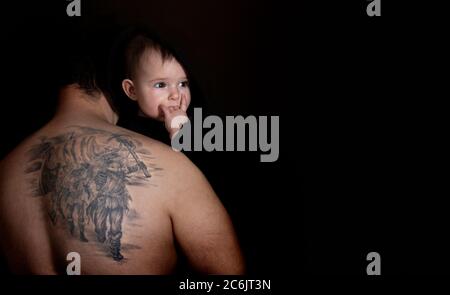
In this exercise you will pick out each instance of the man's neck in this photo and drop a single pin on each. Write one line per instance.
(75, 106)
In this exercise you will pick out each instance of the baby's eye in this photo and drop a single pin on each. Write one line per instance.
(160, 85)
(184, 84)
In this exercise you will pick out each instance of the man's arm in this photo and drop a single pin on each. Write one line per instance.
(202, 226)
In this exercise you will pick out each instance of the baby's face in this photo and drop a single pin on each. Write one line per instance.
(159, 83)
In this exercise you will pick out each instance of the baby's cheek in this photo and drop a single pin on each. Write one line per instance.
(148, 109)
(152, 102)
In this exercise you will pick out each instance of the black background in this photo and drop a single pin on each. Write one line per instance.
(360, 108)
(374, 178)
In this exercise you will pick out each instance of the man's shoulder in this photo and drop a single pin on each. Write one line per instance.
(175, 162)
(174, 175)
(162, 150)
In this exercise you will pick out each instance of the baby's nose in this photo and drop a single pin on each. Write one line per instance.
(175, 95)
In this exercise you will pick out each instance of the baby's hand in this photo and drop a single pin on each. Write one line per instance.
(175, 117)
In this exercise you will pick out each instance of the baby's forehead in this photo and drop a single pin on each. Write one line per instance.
(154, 56)
(152, 61)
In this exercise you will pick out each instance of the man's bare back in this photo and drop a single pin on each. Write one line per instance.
(119, 199)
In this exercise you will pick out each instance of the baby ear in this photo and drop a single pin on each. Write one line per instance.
(128, 88)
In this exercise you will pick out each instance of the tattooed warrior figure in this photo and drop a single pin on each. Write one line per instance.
(85, 174)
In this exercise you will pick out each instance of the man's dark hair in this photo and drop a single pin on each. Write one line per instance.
(81, 67)
(44, 54)
(85, 60)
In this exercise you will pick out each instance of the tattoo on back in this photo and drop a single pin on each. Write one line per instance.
(84, 173)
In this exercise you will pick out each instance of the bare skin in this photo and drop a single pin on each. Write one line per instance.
(119, 199)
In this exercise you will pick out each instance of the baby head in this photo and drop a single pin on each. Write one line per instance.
(154, 77)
